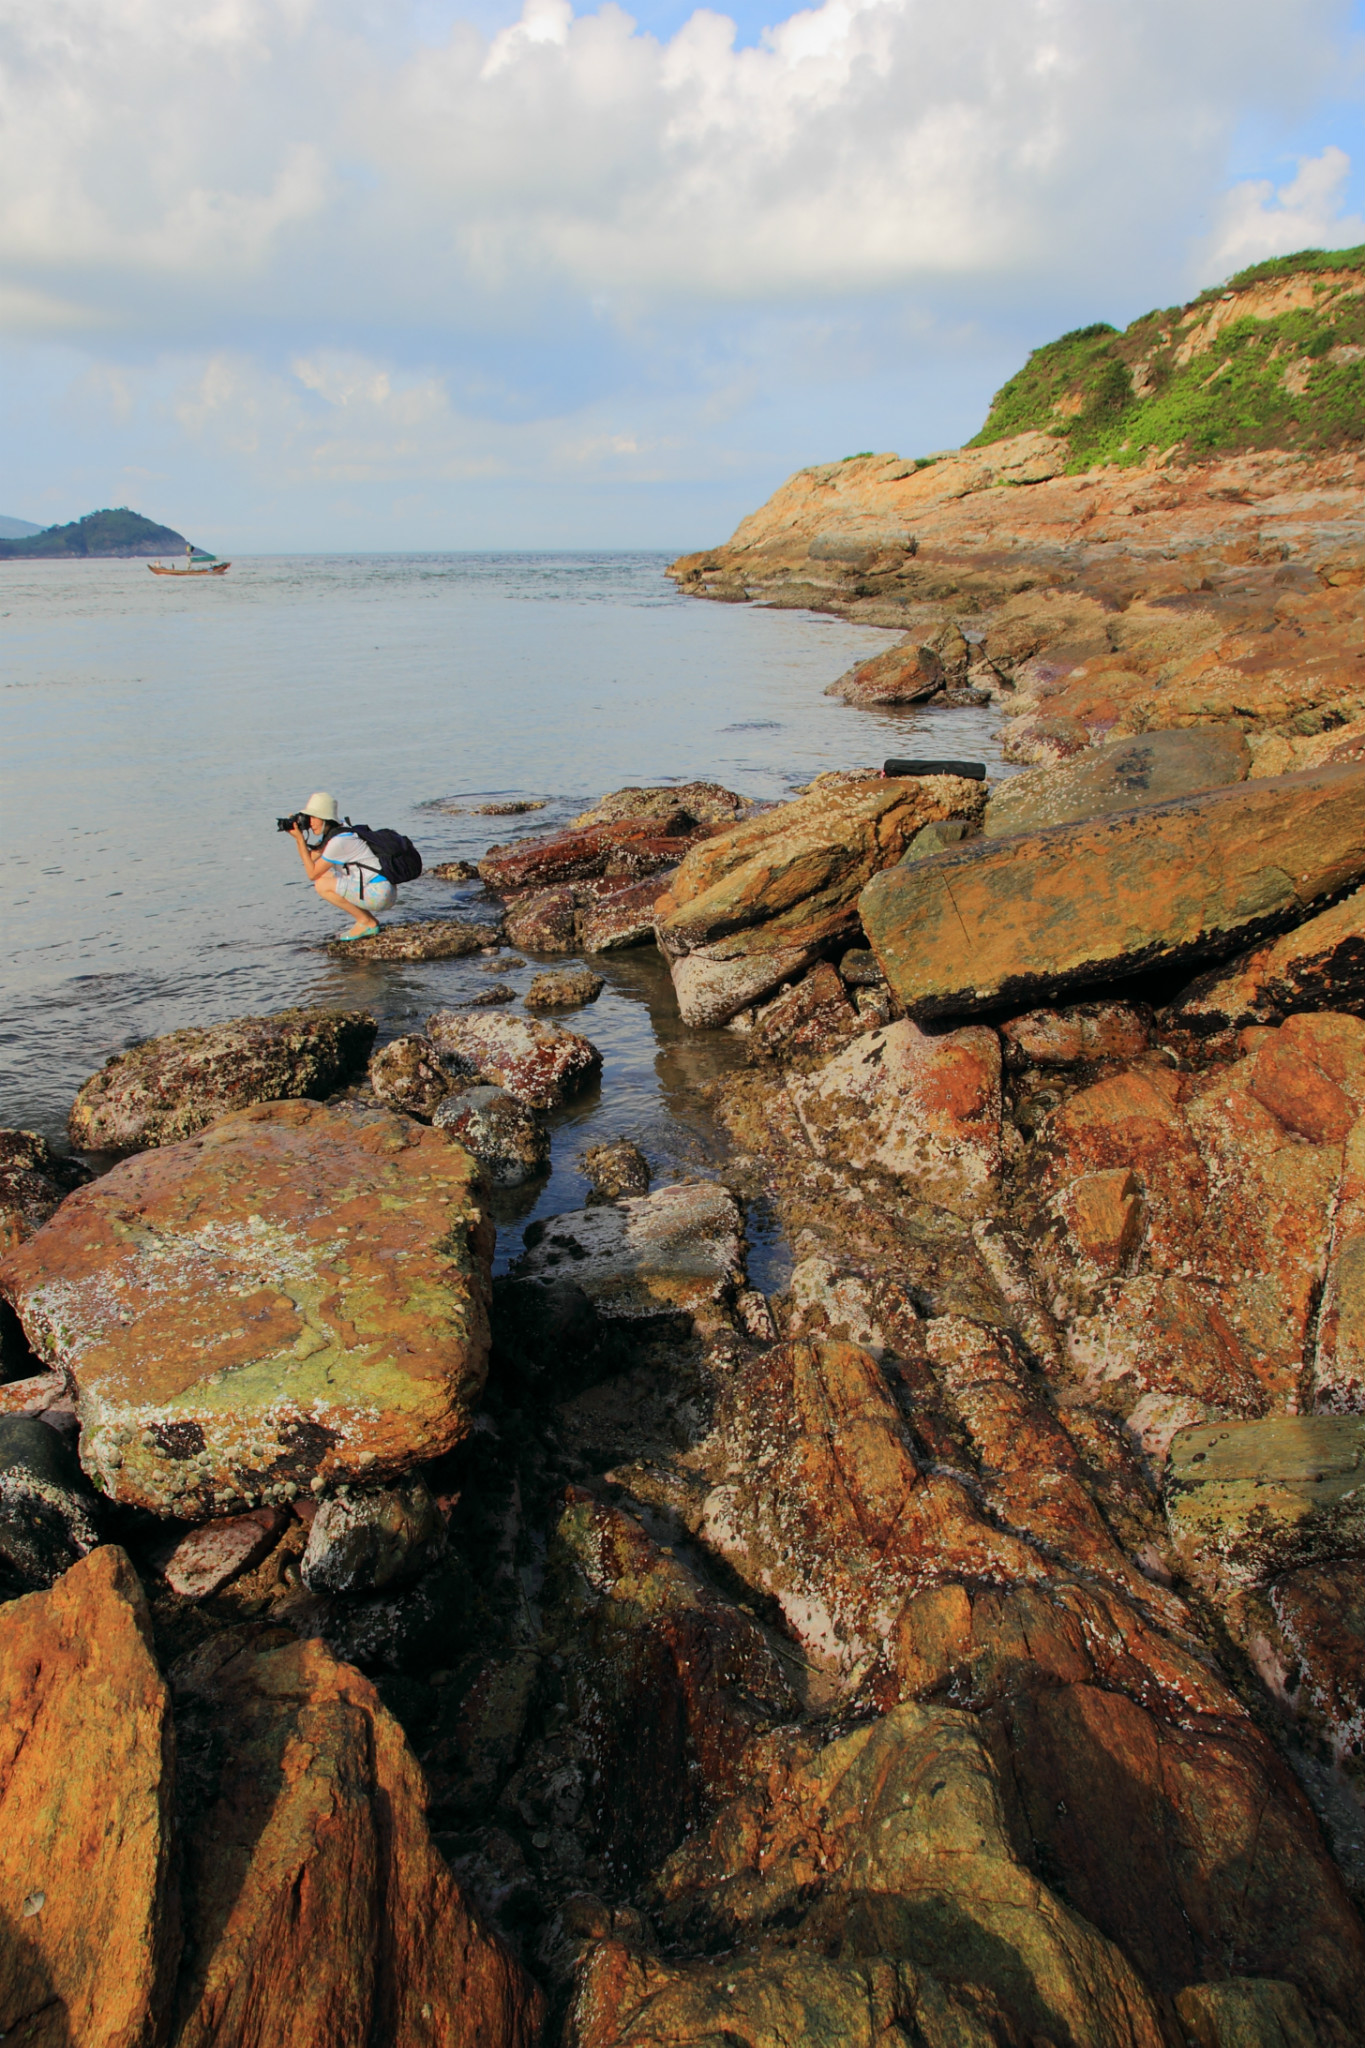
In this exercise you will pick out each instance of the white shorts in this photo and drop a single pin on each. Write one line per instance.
(374, 893)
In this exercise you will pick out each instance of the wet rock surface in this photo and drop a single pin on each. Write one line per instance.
(569, 990)
(509, 1140)
(617, 1169)
(680, 1248)
(540, 1065)
(169, 1088)
(443, 938)
(49, 1515)
(297, 1295)
(407, 1075)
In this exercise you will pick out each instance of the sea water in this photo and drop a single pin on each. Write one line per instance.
(152, 730)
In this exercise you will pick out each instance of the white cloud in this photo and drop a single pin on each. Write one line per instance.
(1307, 213)
(284, 162)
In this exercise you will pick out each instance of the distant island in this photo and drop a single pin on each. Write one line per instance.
(108, 533)
(17, 529)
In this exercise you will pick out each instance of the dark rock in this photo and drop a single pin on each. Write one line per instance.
(49, 1516)
(543, 921)
(619, 1168)
(364, 1542)
(454, 871)
(507, 1138)
(33, 1180)
(168, 1088)
(815, 1017)
(493, 998)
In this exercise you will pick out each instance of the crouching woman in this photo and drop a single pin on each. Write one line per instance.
(342, 868)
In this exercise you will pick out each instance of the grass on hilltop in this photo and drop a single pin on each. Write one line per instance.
(1122, 397)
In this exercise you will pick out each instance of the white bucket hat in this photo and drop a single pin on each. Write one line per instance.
(320, 805)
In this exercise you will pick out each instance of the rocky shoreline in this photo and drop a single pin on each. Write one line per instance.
(964, 1645)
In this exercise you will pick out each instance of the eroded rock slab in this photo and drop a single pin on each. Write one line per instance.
(297, 1295)
(317, 1907)
(1320, 965)
(171, 1087)
(1020, 920)
(1124, 775)
(89, 1938)
(679, 1248)
(753, 907)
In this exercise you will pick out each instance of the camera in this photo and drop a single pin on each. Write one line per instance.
(288, 824)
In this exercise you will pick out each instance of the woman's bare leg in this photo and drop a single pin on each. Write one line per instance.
(364, 922)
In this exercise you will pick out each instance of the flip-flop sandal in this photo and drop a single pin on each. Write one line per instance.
(346, 937)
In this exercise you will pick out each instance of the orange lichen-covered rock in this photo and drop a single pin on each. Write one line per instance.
(1022, 919)
(922, 1108)
(298, 1294)
(1319, 965)
(317, 1908)
(88, 1925)
(754, 906)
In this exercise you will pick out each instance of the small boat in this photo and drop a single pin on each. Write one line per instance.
(193, 556)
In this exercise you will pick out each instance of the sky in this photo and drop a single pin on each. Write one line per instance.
(299, 275)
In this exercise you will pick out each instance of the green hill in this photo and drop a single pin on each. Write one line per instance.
(1275, 358)
(119, 532)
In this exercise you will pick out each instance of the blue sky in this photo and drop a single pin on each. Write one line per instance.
(308, 274)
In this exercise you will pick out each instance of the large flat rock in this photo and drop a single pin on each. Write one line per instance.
(1247, 1501)
(299, 1294)
(679, 1248)
(170, 1087)
(754, 906)
(1017, 921)
(1124, 775)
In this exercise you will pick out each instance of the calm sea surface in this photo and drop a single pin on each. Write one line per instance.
(151, 732)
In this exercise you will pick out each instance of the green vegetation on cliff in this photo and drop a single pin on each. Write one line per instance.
(1273, 359)
(118, 532)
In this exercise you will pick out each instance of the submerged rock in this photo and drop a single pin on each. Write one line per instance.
(169, 1088)
(1013, 921)
(33, 1181)
(429, 939)
(566, 991)
(704, 803)
(297, 1297)
(617, 1169)
(755, 906)
(365, 1542)
(679, 1248)
(540, 1064)
(509, 1141)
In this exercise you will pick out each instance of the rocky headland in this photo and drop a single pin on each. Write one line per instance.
(962, 1644)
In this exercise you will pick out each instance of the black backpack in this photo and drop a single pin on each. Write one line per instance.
(397, 858)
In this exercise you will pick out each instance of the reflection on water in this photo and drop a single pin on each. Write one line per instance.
(153, 732)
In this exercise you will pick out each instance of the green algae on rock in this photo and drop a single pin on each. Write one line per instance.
(296, 1297)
